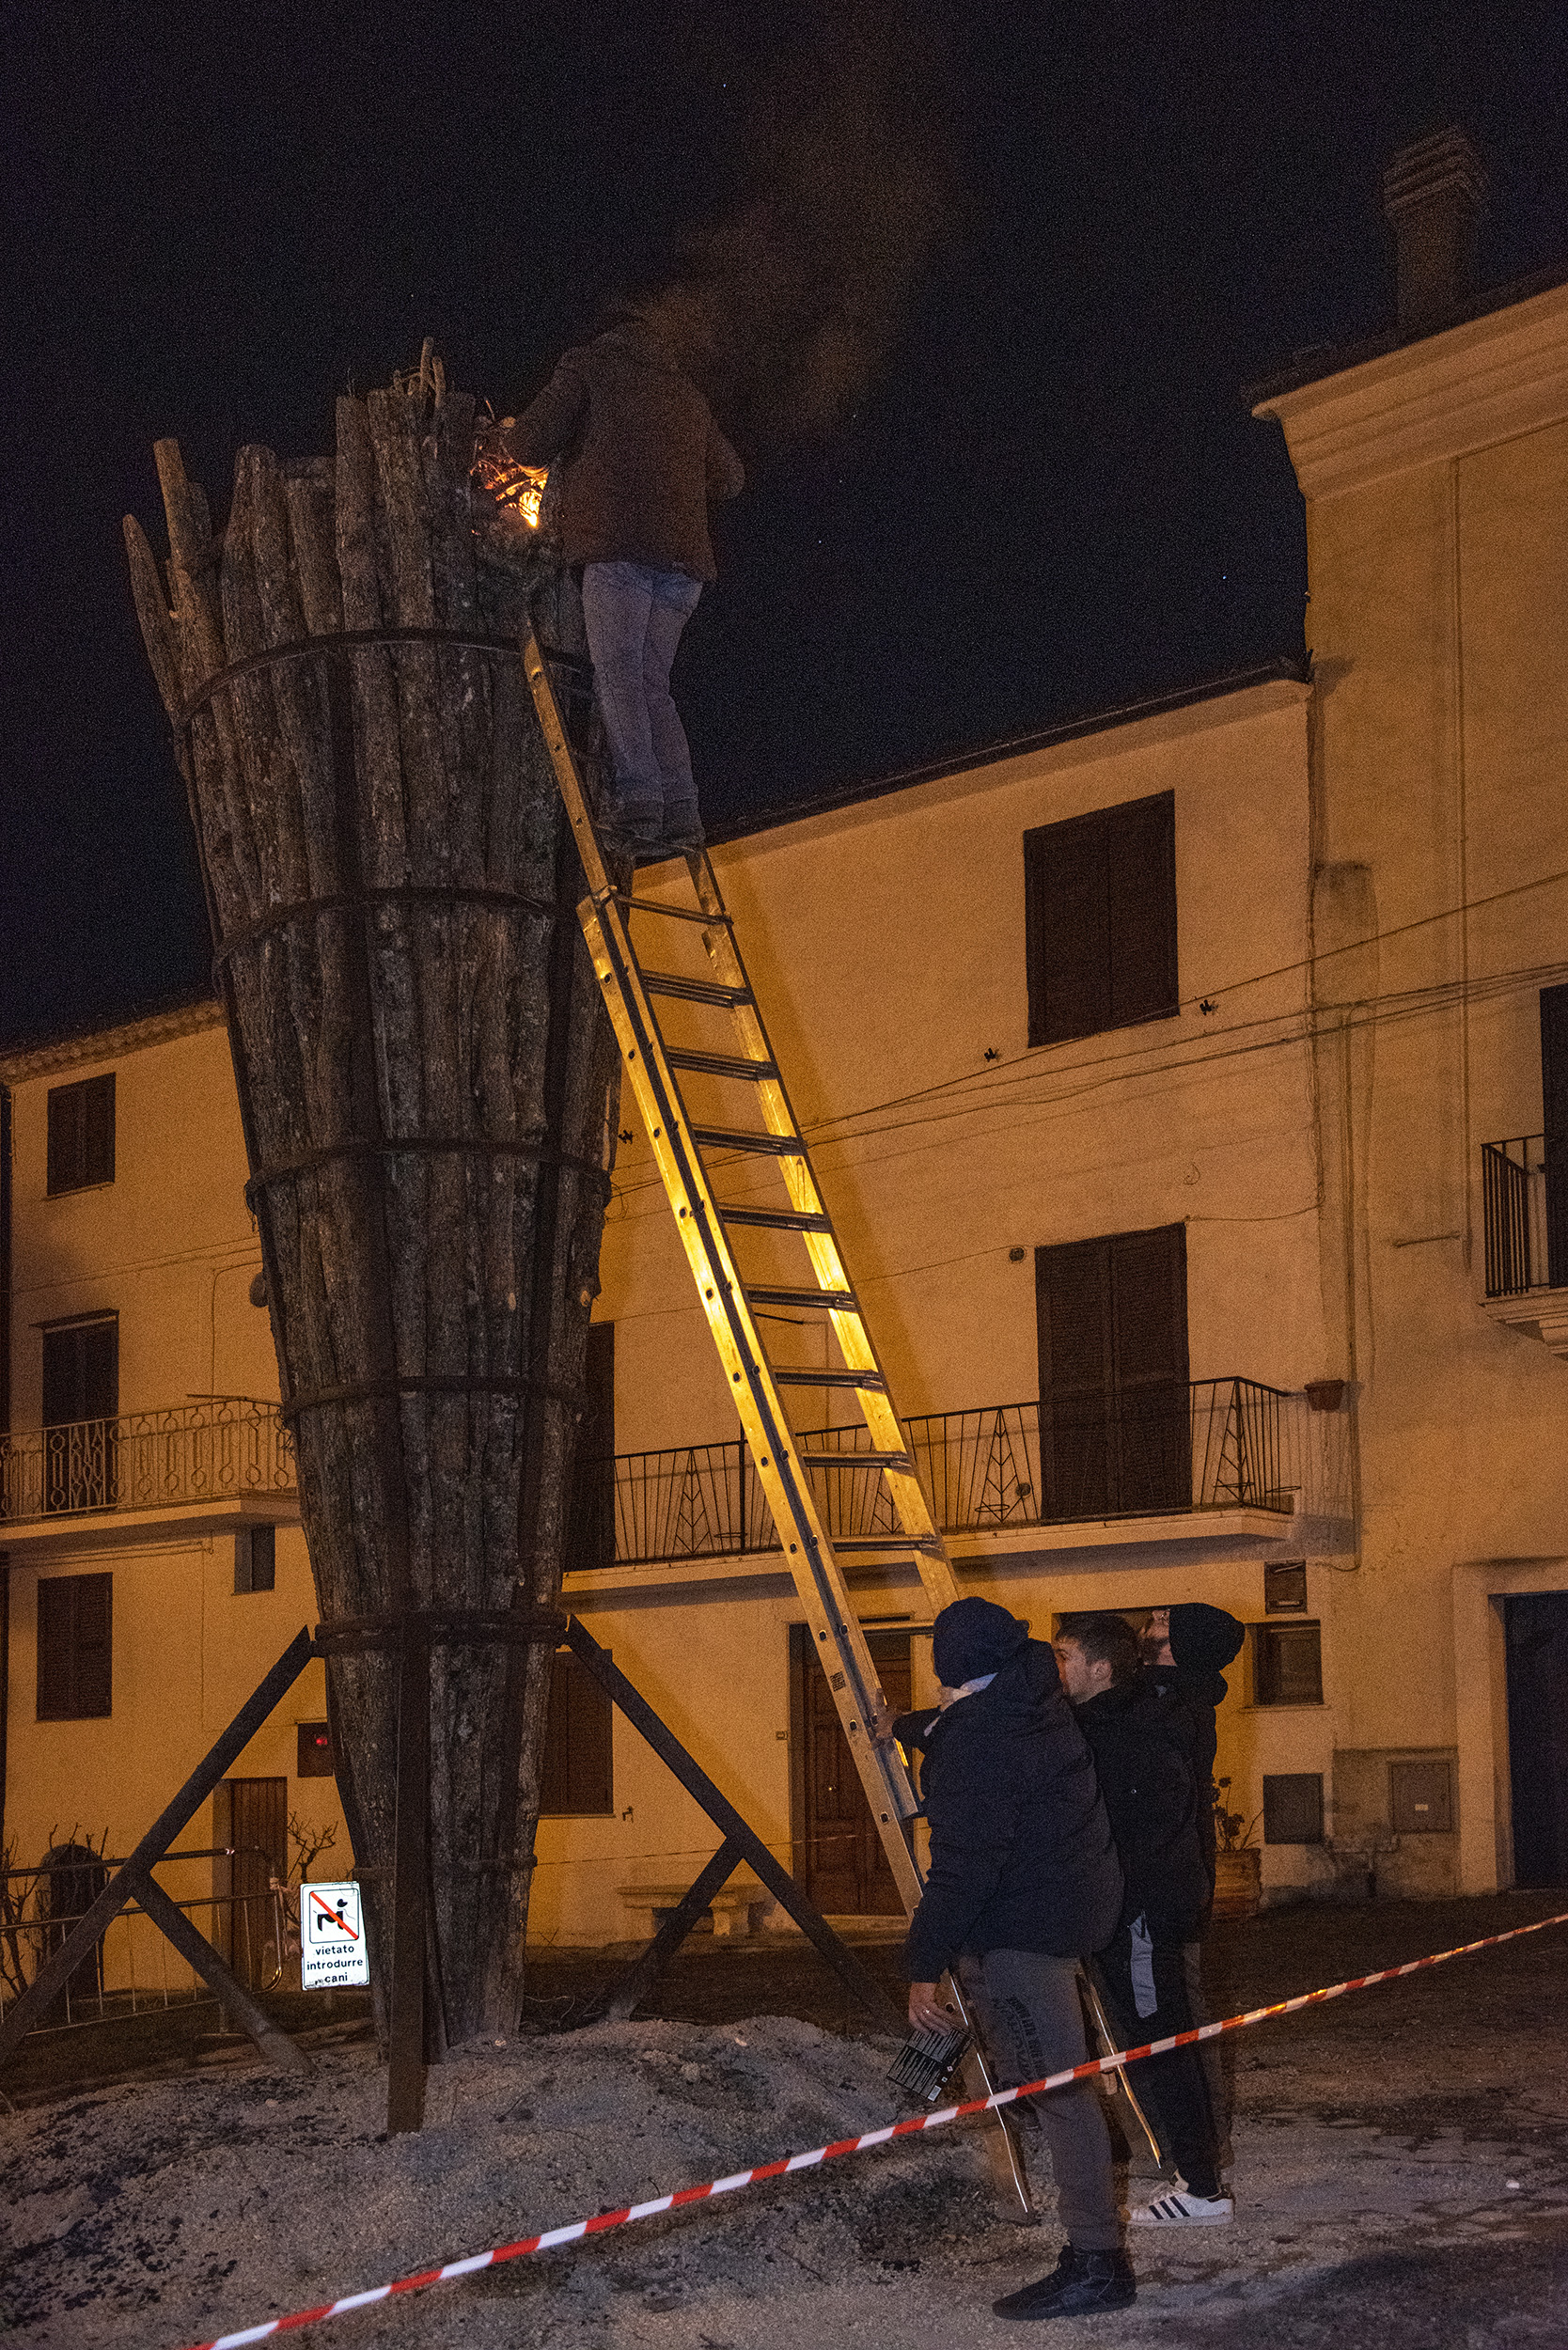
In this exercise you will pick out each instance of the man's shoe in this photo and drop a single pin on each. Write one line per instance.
(1081, 2284)
(1179, 2208)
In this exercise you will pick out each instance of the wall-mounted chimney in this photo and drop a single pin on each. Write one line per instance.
(1432, 199)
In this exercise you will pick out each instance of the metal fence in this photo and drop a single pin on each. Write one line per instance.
(200, 1451)
(1513, 1201)
(133, 1969)
(1213, 1445)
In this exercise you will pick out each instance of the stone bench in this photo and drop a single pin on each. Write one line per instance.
(737, 1907)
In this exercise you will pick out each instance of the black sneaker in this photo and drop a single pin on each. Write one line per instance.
(1080, 2285)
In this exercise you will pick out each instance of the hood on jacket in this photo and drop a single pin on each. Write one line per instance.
(974, 1637)
(1203, 1639)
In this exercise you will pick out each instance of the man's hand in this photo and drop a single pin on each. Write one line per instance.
(881, 1724)
(926, 2011)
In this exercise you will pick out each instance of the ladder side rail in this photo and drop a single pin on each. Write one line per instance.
(809, 1557)
(850, 1327)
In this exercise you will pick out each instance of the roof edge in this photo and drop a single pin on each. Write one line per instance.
(1326, 360)
(1289, 668)
(108, 1043)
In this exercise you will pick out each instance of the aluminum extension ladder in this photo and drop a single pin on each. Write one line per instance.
(763, 1129)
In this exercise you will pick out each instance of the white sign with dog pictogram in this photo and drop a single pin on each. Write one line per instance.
(332, 1937)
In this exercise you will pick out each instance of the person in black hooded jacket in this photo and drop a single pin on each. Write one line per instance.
(1024, 1882)
(1142, 1758)
(1186, 1648)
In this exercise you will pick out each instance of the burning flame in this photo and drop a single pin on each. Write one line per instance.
(519, 488)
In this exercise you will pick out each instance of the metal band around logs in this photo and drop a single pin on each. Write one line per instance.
(427, 1383)
(407, 894)
(480, 1146)
(351, 640)
(524, 1627)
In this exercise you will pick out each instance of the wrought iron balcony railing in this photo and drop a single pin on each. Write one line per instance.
(1524, 1185)
(1213, 1445)
(210, 1450)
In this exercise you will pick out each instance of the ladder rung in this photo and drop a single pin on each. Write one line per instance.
(676, 914)
(884, 1541)
(856, 1459)
(734, 1138)
(720, 1064)
(831, 1301)
(872, 1381)
(694, 991)
(776, 1219)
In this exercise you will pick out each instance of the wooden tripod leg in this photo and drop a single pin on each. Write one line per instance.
(1106, 2038)
(1002, 2154)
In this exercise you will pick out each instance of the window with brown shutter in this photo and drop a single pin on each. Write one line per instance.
(80, 1134)
(75, 1627)
(1100, 919)
(578, 1777)
(1115, 1437)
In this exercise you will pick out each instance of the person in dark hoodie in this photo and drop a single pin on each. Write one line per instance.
(1186, 1648)
(636, 457)
(1024, 1882)
(1142, 1760)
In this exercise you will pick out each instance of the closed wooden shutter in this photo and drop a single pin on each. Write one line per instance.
(1554, 1108)
(1113, 1408)
(1100, 919)
(579, 1778)
(81, 1129)
(591, 1539)
(75, 1647)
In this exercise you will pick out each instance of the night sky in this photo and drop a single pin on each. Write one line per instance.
(1047, 499)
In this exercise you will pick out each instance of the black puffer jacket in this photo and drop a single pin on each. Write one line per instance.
(1142, 1758)
(1202, 1638)
(1021, 1851)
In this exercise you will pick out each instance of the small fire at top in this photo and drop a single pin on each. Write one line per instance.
(514, 487)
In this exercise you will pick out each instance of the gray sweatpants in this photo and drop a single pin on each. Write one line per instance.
(1027, 2004)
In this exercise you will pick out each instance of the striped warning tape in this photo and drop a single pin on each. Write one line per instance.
(605, 2220)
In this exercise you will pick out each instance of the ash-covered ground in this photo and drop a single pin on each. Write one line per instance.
(1399, 2175)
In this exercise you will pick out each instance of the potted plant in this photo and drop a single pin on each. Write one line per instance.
(1238, 1862)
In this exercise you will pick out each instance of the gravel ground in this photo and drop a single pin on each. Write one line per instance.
(1399, 2178)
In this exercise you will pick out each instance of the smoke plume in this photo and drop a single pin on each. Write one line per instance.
(786, 306)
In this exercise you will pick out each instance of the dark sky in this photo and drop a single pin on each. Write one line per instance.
(1050, 500)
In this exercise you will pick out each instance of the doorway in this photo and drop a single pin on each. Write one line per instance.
(840, 1862)
(253, 1822)
(1535, 1626)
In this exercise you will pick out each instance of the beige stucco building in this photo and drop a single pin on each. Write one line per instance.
(1150, 1072)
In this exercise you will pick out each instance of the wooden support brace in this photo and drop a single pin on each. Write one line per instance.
(271, 2043)
(135, 1874)
(747, 1843)
(618, 2004)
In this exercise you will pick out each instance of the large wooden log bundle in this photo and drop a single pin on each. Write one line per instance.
(429, 1086)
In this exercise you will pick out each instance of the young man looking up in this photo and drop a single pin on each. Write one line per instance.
(1147, 1782)
(1023, 1883)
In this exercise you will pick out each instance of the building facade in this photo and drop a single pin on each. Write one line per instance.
(1183, 1088)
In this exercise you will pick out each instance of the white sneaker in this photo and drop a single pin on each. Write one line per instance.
(1179, 2208)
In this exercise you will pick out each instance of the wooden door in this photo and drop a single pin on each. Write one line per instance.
(843, 1868)
(1536, 1628)
(257, 1839)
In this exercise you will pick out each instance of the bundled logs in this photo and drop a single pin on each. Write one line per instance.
(429, 1086)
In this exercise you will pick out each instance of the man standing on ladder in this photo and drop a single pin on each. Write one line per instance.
(636, 457)
(1023, 1883)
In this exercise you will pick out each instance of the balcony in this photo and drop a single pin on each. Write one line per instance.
(212, 1461)
(1524, 1185)
(1219, 1457)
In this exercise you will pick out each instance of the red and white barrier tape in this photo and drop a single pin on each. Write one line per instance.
(605, 2220)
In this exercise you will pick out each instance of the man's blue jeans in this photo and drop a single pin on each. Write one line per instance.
(634, 616)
